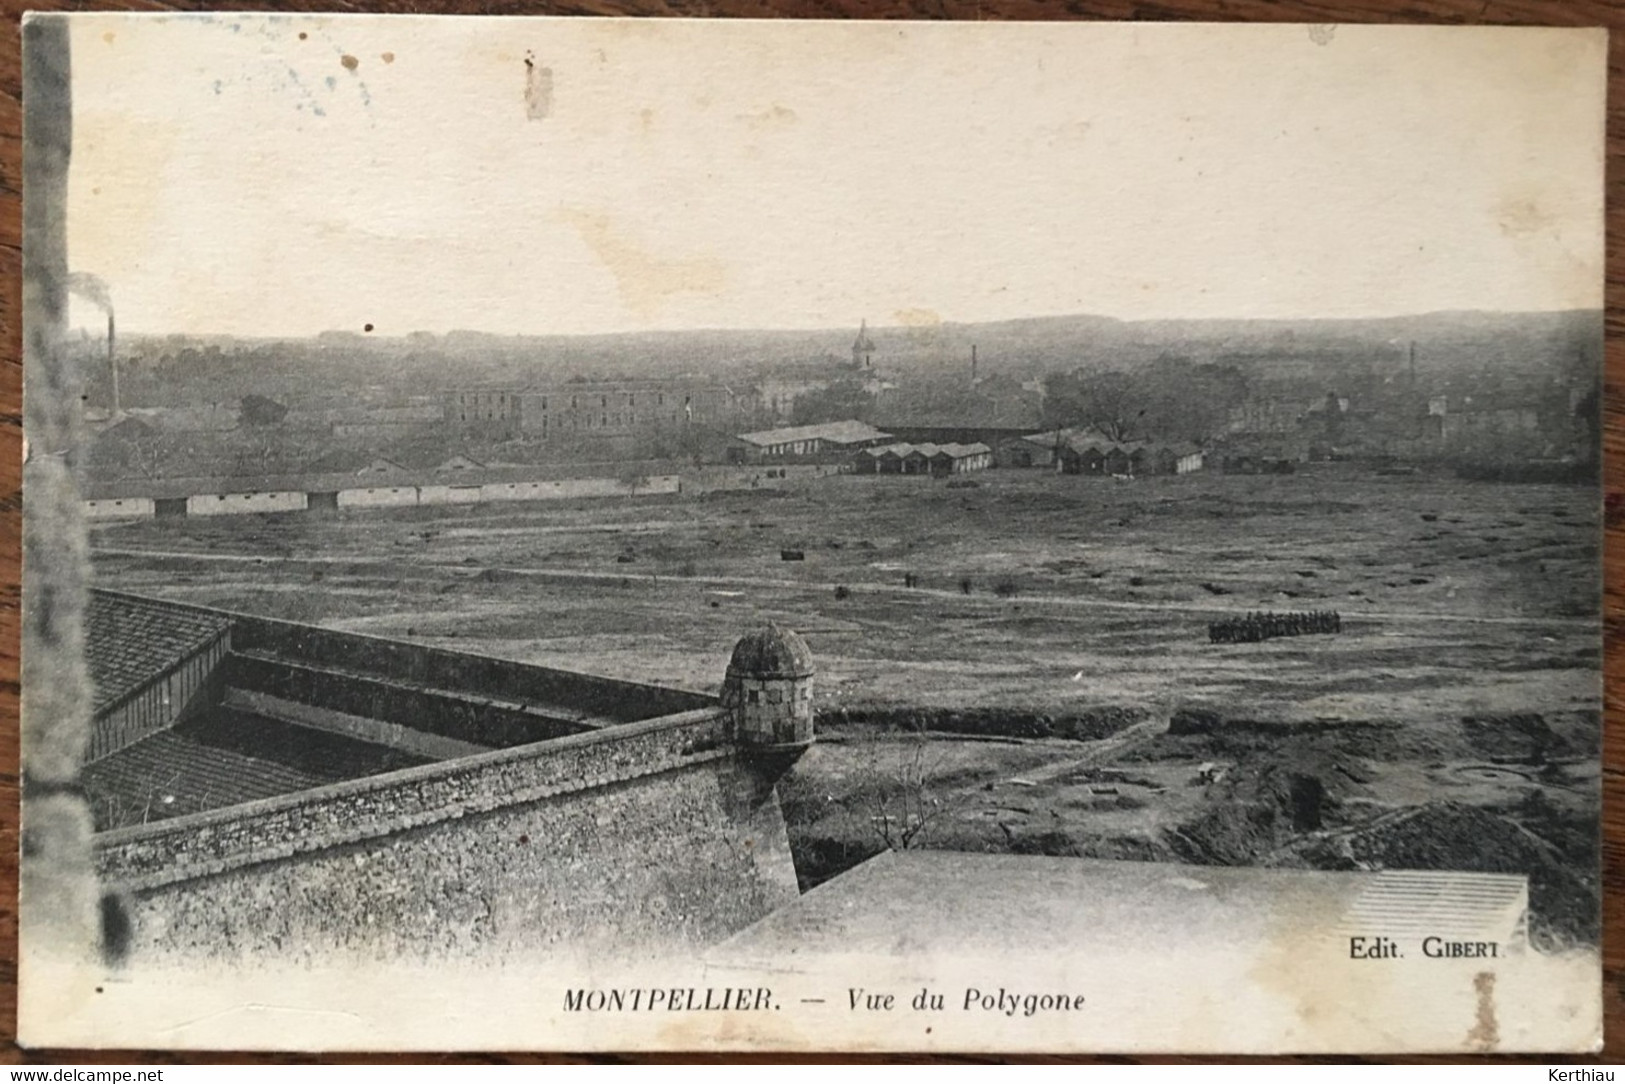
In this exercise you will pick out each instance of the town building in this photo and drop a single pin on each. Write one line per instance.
(777, 392)
(1475, 418)
(385, 423)
(1261, 453)
(1176, 458)
(927, 429)
(578, 410)
(995, 409)
(1022, 452)
(1269, 415)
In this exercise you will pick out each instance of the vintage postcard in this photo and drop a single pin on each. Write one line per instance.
(627, 535)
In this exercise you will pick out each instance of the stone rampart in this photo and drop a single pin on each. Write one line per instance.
(468, 718)
(652, 833)
(606, 699)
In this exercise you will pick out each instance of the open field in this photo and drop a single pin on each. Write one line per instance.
(1453, 723)
(1081, 592)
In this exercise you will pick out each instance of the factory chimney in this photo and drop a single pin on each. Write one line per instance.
(973, 365)
(95, 291)
(112, 361)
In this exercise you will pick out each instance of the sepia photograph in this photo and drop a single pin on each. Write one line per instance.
(617, 535)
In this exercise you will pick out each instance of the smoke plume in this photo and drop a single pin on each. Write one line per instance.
(92, 289)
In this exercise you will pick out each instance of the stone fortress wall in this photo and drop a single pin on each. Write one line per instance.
(557, 809)
(654, 834)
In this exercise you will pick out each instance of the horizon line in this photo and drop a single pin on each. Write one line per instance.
(367, 332)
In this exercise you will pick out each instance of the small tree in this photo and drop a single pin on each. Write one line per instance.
(896, 798)
(257, 455)
(257, 410)
(144, 455)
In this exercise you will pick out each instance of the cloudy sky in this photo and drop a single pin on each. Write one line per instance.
(288, 175)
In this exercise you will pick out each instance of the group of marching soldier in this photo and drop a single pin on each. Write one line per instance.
(1262, 626)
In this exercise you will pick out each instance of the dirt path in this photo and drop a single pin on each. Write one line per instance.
(856, 589)
(1096, 752)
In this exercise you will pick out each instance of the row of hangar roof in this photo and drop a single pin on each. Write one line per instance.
(905, 458)
(872, 450)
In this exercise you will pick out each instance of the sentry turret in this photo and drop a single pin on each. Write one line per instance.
(768, 688)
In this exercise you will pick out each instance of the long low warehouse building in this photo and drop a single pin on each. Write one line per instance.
(804, 442)
(148, 498)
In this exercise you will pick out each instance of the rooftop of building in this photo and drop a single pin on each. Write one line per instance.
(904, 449)
(383, 474)
(130, 641)
(221, 759)
(1011, 416)
(843, 432)
(1079, 437)
(1088, 439)
(994, 427)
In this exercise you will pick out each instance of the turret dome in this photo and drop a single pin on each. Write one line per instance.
(771, 652)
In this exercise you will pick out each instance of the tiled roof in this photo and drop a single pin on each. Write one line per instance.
(1079, 440)
(223, 758)
(161, 488)
(848, 432)
(1093, 442)
(129, 641)
(170, 775)
(1260, 444)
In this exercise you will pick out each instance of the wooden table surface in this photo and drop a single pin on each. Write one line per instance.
(1444, 12)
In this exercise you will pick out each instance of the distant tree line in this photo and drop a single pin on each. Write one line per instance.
(840, 400)
(1170, 399)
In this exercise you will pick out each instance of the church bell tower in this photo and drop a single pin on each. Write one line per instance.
(863, 350)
